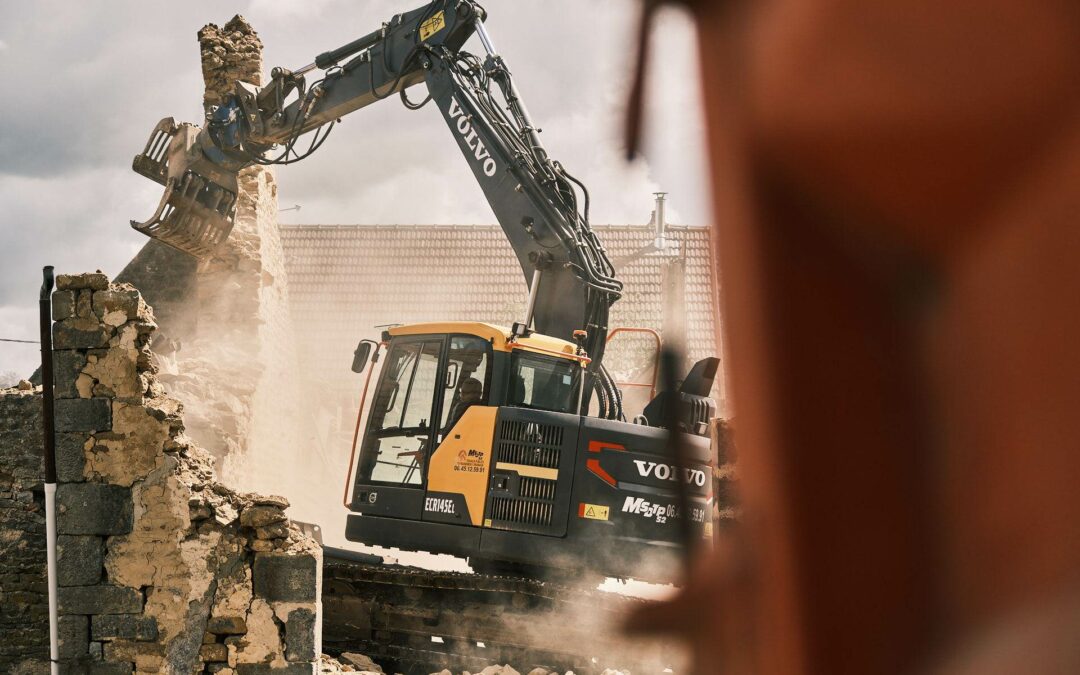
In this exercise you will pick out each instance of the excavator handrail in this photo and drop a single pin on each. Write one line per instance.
(656, 362)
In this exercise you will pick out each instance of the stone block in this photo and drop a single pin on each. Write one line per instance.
(261, 516)
(300, 635)
(63, 305)
(129, 651)
(73, 637)
(275, 531)
(82, 304)
(226, 625)
(93, 508)
(270, 500)
(95, 281)
(110, 669)
(79, 560)
(100, 599)
(83, 414)
(361, 662)
(81, 334)
(67, 364)
(120, 303)
(70, 456)
(281, 577)
(214, 652)
(123, 627)
(267, 669)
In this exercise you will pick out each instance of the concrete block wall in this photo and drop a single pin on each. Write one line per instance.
(161, 567)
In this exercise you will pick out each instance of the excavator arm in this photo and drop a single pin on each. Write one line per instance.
(542, 209)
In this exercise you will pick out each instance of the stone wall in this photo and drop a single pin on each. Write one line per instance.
(161, 568)
(24, 618)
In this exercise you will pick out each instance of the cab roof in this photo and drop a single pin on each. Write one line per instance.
(499, 336)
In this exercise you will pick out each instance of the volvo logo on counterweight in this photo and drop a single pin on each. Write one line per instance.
(670, 472)
(461, 122)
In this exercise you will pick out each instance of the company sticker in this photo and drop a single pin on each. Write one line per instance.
(593, 511)
(659, 512)
(469, 461)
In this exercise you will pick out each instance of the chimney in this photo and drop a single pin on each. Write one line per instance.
(659, 222)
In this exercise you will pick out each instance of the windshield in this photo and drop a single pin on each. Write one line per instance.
(396, 445)
(544, 383)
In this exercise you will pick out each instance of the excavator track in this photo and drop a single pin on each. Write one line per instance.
(412, 620)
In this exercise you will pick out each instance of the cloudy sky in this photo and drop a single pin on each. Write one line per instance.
(84, 83)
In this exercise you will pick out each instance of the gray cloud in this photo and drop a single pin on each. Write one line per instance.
(85, 83)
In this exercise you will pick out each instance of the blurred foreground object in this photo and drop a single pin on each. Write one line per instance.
(896, 188)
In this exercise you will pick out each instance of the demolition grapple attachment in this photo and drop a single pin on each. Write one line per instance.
(196, 212)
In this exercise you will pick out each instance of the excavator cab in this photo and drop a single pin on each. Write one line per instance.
(475, 444)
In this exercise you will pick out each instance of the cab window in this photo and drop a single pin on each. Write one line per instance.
(544, 382)
(467, 382)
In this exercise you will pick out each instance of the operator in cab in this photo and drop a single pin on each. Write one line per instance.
(470, 393)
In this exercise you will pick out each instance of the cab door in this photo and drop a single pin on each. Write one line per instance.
(401, 430)
(458, 469)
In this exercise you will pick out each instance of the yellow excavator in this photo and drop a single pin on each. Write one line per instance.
(506, 445)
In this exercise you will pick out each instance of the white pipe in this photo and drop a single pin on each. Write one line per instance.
(530, 306)
(50, 547)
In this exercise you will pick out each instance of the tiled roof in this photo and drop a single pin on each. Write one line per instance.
(344, 280)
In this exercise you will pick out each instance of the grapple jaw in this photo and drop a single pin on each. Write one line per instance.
(196, 212)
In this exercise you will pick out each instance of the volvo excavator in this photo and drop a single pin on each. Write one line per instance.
(508, 446)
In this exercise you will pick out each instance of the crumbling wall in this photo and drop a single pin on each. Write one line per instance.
(161, 567)
(235, 367)
(24, 618)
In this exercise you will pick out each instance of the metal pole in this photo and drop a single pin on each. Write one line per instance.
(660, 236)
(489, 46)
(49, 437)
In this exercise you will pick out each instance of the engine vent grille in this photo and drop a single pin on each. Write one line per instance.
(519, 511)
(538, 488)
(530, 443)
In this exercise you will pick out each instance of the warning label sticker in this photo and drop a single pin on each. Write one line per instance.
(593, 511)
(433, 25)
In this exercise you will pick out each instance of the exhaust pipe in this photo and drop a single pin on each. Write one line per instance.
(49, 435)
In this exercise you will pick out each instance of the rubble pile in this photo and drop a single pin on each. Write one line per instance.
(509, 670)
(358, 663)
(161, 567)
(349, 663)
